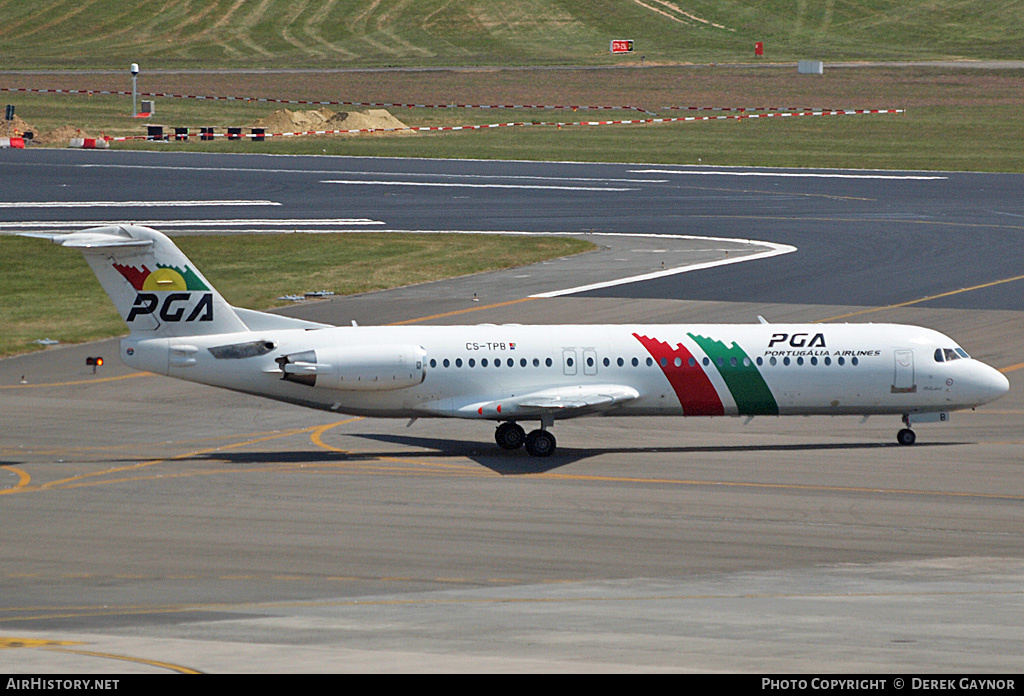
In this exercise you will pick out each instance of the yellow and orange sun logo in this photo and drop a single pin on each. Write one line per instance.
(162, 279)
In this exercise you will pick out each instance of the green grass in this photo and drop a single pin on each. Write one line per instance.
(50, 292)
(932, 138)
(957, 119)
(355, 33)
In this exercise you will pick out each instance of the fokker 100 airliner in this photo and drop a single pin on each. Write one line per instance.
(181, 326)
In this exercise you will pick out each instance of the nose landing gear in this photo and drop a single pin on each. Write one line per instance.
(906, 436)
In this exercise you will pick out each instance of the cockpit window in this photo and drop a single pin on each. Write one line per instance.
(948, 354)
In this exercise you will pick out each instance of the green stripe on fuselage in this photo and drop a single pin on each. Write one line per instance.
(745, 383)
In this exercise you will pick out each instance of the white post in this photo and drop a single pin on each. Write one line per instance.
(135, 74)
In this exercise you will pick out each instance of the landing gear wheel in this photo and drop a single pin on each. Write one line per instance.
(906, 437)
(510, 435)
(540, 443)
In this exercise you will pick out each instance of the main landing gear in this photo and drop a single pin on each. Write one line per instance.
(906, 436)
(539, 443)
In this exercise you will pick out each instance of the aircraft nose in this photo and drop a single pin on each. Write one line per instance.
(990, 384)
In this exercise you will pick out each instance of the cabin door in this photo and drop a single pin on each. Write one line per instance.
(903, 376)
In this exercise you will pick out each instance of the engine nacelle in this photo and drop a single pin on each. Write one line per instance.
(356, 368)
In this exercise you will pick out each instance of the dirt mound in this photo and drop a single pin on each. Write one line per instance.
(18, 126)
(288, 121)
(60, 136)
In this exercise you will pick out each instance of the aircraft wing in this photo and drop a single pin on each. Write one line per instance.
(558, 402)
(576, 398)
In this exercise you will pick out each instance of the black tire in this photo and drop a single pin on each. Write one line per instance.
(510, 436)
(906, 437)
(540, 443)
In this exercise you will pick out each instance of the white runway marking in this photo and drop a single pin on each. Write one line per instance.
(128, 204)
(797, 175)
(771, 249)
(458, 185)
(339, 172)
(288, 224)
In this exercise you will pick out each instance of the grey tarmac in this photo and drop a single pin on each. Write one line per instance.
(151, 525)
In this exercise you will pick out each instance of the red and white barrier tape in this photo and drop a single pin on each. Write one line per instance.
(680, 119)
(744, 108)
(310, 102)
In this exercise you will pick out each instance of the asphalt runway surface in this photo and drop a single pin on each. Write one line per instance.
(152, 525)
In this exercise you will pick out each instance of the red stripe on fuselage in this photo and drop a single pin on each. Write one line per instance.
(696, 393)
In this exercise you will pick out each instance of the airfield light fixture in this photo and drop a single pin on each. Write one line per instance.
(135, 75)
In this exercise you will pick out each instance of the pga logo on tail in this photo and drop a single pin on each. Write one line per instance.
(171, 309)
(178, 284)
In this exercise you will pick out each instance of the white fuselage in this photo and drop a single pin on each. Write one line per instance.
(472, 371)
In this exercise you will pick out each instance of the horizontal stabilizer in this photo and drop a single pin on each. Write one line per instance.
(264, 321)
(88, 239)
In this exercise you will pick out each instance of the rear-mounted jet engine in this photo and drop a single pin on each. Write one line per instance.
(356, 368)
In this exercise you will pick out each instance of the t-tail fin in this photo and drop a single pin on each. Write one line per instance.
(157, 290)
